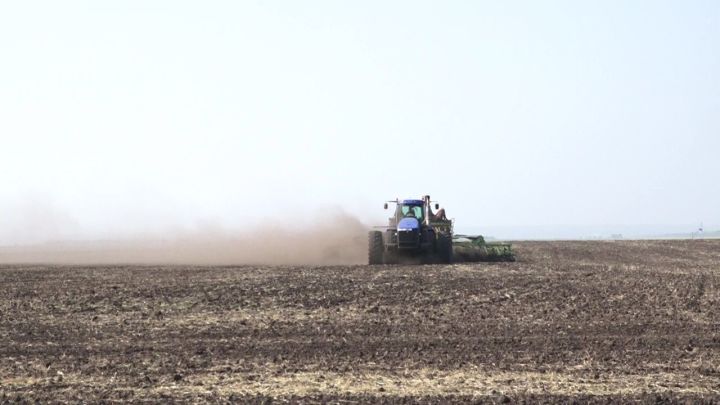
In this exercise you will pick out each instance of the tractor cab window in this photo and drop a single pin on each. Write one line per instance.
(411, 211)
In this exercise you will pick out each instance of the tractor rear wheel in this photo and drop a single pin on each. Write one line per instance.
(376, 247)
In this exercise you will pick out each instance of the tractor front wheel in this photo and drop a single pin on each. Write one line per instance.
(376, 247)
(445, 249)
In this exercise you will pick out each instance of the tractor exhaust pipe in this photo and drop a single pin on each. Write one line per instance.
(427, 209)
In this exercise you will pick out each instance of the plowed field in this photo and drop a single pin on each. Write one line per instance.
(589, 321)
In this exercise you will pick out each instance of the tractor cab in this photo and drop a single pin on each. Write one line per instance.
(410, 209)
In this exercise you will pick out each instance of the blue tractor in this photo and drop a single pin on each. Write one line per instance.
(414, 231)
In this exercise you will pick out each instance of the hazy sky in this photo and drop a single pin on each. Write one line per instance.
(121, 116)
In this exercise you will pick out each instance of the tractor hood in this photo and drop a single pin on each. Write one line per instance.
(408, 224)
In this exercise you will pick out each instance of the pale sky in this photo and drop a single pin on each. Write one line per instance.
(132, 115)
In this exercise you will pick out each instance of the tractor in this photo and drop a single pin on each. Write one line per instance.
(414, 231)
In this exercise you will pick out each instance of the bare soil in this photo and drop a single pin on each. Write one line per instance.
(569, 321)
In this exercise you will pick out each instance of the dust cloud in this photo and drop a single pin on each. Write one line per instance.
(336, 240)
(34, 218)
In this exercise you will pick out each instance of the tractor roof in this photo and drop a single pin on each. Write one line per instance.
(412, 202)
